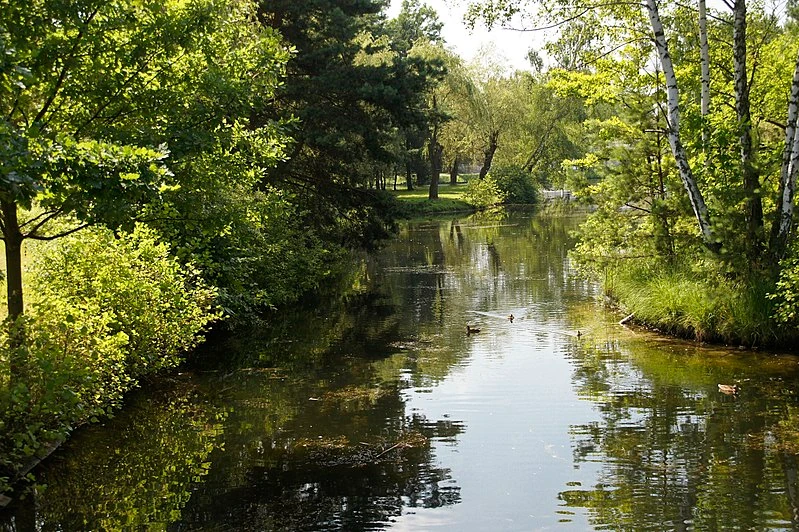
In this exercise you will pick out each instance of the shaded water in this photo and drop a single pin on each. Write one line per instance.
(377, 411)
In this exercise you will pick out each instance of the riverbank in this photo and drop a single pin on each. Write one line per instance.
(703, 306)
(377, 410)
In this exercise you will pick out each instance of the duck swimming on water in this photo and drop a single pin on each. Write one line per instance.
(729, 389)
(471, 330)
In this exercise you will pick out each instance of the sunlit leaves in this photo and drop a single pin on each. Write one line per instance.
(106, 312)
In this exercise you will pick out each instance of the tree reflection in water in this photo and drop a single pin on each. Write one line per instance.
(135, 471)
(675, 452)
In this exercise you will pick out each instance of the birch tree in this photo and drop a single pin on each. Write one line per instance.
(704, 58)
(783, 220)
(623, 27)
(673, 128)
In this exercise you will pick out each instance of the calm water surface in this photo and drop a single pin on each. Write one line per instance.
(377, 411)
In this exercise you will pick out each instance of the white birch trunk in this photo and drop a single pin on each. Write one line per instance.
(704, 60)
(673, 123)
(788, 172)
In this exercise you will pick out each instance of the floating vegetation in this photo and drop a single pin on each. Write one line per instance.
(339, 450)
(355, 394)
(324, 443)
(269, 372)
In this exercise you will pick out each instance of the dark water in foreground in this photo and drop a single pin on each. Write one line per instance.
(377, 411)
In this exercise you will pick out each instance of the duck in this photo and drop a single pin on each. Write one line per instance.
(471, 330)
(511, 318)
(729, 389)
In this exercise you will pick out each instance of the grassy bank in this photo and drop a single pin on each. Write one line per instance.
(701, 305)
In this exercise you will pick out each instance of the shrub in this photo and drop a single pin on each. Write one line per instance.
(104, 312)
(160, 305)
(259, 248)
(483, 193)
(516, 184)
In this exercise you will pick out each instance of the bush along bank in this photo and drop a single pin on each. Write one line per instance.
(105, 312)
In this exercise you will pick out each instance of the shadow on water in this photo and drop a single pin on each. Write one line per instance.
(375, 410)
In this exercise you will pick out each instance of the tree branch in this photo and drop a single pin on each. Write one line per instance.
(63, 74)
(573, 17)
(57, 235)
(126, 83)
(49, 216)
(33, 220)
(775, 123)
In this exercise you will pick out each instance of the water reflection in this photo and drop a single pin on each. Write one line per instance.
(135, 471)
(375, 410)
(674, 451)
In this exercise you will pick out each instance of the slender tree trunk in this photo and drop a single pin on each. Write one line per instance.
(751, 179)
(408, 180)
(536, 153)
(673, 119)
(489, 153)
(704, 59)
(12, 237)
(664, 240)
(436, 153)
(783, 220)
(453, 173)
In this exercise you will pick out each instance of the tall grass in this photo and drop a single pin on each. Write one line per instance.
(697, 304)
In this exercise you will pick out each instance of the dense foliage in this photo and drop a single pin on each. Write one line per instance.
(104, 313)
(358, 91)
(188, 161)
(691, 158)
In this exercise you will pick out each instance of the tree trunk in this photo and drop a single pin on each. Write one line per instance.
(453, 173)
(489, 153)
(673, 121)
(408, 176)
(12, 236)
(704, 59)
(529, 164)
(751, 179)
(783, 220)
(436, 153)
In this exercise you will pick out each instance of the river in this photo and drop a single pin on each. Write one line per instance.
(376, 410)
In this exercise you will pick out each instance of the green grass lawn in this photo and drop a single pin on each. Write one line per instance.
(416, 203)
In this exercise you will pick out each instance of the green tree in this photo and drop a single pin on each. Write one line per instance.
(546, 127)
(416, 34)
(736, 74)
(91, 93)
(351, 92)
